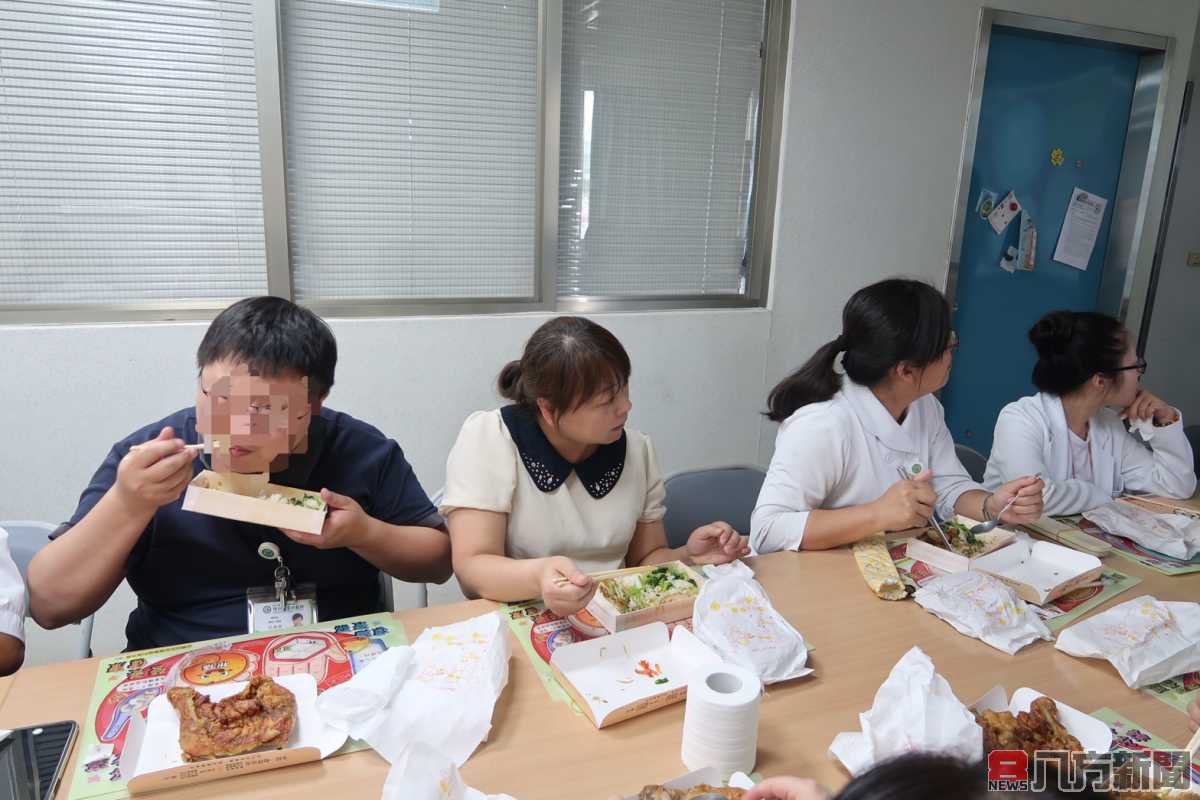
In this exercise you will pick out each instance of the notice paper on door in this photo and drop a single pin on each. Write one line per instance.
(1085, 213)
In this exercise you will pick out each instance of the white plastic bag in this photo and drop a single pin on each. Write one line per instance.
(1174, 535)
(982, 606)
(737, 568)
(734, 617)
(1146, 640)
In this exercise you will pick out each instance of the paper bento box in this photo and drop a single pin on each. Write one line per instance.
(247, 498)
(615, 620)
(627, 674)
(938, 557)
(152, 759)
(1041, 573)
(1094, 735)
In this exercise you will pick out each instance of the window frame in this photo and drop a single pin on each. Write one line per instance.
(272, 143)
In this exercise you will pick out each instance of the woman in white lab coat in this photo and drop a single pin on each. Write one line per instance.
(1074, 431)
(871, 452)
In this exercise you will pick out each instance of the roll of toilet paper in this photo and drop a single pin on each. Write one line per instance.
(720, 719)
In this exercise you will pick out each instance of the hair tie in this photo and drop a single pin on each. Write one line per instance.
(838, 367)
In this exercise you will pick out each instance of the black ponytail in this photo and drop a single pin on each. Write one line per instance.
(884, 324)
(812, 383)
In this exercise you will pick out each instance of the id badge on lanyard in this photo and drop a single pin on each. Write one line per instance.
(284, 604)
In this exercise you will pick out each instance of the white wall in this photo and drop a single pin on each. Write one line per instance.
(1175, 328)
(878, 99)
(876, 104)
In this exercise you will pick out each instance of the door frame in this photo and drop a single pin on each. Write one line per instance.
(1157, 54)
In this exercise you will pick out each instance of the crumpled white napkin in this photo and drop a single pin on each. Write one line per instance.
(447, 699)
(358, 706)
(982, 606)
(441, 691)
(734, 616)
(1175, 535)
(915, 710)
(421, 773)
(1143, 427)
(1146, 640)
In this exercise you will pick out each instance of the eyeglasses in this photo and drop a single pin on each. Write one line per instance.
(1140, 366)
(952, 345)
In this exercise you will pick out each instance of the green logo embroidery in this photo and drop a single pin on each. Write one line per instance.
(916, 469)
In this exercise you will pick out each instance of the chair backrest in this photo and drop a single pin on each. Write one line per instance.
(1192, 432)
(385, 589)
(973, 461)
(25, 538)
(701, 496)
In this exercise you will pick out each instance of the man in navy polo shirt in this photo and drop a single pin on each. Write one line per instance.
(266, 367)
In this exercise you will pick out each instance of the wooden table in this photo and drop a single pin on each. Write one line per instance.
(6, 684)
(537, 747)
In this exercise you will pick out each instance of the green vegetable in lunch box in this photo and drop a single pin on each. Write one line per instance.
(963, 540)
(309, 501)
(656, 587)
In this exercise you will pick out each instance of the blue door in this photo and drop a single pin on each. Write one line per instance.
(1040, 94)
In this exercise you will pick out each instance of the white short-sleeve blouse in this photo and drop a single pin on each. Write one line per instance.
(588, 511)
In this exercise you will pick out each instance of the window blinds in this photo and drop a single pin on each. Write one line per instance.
(411, 147)
(658, 134)
(129, 154)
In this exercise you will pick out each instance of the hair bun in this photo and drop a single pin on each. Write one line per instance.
(509, 382)
(1052, 333)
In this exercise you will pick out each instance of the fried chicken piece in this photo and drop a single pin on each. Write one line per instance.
(1036, 729)
(663, 793)
(261, 715)
(658, 793)
(1000, 731)
(1045, 728)
(722, 791)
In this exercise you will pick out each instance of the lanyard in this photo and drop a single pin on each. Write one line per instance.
(283, 576)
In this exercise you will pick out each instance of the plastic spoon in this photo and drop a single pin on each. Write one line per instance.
(987, 527)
